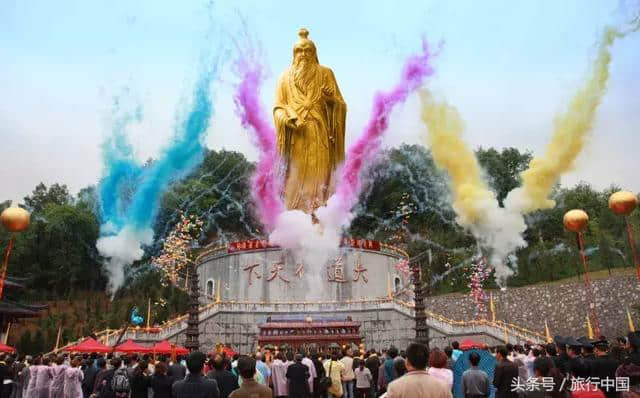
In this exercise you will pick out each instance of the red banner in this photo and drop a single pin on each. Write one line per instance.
(258, 244)
(252, 244)
(355, 243)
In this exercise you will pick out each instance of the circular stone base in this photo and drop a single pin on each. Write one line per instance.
(253, 272)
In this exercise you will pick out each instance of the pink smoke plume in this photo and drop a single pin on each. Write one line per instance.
(416, 69)
(266, 183)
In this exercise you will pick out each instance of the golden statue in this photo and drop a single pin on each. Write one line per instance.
(309, 115)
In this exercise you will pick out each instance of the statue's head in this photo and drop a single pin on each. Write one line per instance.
(304, 49)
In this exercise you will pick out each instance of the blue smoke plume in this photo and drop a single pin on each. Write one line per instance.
(130, 193)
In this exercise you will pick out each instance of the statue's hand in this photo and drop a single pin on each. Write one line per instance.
(292, 123)
(328, 93)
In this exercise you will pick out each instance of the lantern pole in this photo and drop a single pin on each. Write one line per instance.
(624, 203)
(14, 219)
(632, 243)
(587, 285)
(576, 221)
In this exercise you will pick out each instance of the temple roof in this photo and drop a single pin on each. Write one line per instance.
(18, 310)
(307, 325)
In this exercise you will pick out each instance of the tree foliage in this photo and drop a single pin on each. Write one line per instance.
(406, 203)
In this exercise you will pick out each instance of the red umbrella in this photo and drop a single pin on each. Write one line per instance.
(89, 345)
(469, 344)
(6, 348)
(130, 346)
(164, 347)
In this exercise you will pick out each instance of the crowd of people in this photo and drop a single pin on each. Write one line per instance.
(566, 368)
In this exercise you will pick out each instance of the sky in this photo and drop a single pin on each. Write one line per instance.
(508, 66)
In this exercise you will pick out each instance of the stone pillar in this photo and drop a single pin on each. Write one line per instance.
(193, 333)
(422, 331)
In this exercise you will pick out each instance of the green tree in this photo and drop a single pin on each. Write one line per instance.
(503, 168)
(42, 196)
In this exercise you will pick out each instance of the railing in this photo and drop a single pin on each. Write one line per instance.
(498, 329)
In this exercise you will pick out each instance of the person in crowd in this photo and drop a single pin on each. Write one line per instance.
(18, 389)
(298, 377)
(177, 371)
(348, 377)
(161, 382)
(438, 367)
(279, 376)
(58, 377)
(544, 368)
(562, 359)
(140, 381)
(334, 369)
(43, 379)
(72, 387)
(263, 369)
(194, 385)
(363, 380)
(306, 361)
(475, 382)
(604, 366)
(506, 372)
(389, 373)
(31, 391)
(320, 373)
(619, 348)
(101, 363)
(108, 381)
(249, 388)
(574, 351)
(449, 352)
(400, 366)
(456, 352)
(517, 356)
(227, 382)
(630, 367)
(8, 376)
(417, 383)
(373, 364)
(88, 381)
(586, 351)
(25, 375)
(582, 387)
(534, 352)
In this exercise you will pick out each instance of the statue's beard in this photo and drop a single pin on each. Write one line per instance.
(304, 72)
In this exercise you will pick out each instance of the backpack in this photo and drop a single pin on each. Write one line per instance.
(120, 383)
(326, 381)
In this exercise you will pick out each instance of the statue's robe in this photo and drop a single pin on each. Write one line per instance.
(315, 148)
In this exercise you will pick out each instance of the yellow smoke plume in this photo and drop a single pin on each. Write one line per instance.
(494, 227)
(453, 154)
(571, 130)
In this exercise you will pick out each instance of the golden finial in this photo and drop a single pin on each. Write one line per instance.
(303, 33)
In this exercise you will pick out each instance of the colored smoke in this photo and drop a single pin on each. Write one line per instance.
(570, 135)
(266, 182)
(496, 229)
(127, 221)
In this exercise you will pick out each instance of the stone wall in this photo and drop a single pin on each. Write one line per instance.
(564, 306)
(379, 328)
